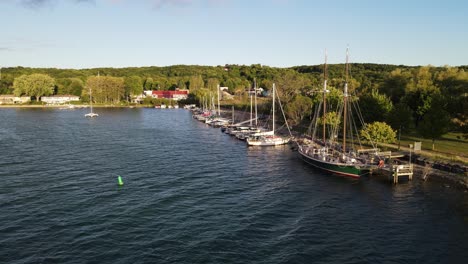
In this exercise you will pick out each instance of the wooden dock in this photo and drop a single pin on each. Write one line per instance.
(395, 172)
(402, 170)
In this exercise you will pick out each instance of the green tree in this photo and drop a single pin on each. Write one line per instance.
(105, 89)
(149, 84)
(453, 83)
(289, 84)
(36, 85)
(160, 83)
(133, 86)
(69, 86)
(435, 122)
(266, 84)
(332, 119)
(378, 132)
(420, 92)
(196, 82)
(76, 86)
(297, 109)
(202, 95)
(394, 85)
(375, 107)
(212, 84)
(230, 84)
(334, 97)
(6, 83)
(182, 84)
(400, 118)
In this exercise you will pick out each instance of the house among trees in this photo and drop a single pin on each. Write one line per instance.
(12, 99)
(60, 99)
(173, 95)
(252, 91)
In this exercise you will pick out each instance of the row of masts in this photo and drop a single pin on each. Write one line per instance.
(345, 100)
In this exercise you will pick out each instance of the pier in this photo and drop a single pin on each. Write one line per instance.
(395, 168)
(395, 172)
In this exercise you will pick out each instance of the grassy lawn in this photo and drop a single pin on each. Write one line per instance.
(451, 147)
(451, 143)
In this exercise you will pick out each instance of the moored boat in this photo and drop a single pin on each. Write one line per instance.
(328, 154)
(268, 138)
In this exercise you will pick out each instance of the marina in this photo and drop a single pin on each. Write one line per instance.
(221, 131)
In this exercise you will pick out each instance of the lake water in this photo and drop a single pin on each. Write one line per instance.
(192, 194)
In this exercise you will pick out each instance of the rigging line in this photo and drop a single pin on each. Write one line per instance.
(361, 119)
(374, 145)
(352, 129)
(354, 104)
(284, 116)
(315, 120)
(336, 126)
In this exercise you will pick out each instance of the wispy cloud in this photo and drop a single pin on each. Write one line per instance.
(20, 44)
(162, 3)
(6, 49)
(43, 3)
(157, 4)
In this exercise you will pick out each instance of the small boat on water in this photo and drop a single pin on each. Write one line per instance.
(268, 138)
(91, 114)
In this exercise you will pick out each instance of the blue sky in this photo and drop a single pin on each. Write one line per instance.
(279, 33)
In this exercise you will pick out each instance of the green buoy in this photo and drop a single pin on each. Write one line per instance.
(120, 181)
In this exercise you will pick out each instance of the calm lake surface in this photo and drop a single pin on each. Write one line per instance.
(195, 195)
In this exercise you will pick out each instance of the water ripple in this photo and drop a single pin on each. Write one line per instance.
(194, 195)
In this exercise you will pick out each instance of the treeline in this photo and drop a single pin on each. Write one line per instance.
(419, 98)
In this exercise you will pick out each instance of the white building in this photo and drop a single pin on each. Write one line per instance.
(59, 99)
(11, 99)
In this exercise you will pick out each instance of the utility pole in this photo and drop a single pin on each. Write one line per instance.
(399, 138)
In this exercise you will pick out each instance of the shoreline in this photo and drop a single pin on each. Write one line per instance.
(429, 174)
(426, 173)
(76, 106)
(423, 173)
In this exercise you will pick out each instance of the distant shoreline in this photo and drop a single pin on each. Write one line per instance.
(75, 106)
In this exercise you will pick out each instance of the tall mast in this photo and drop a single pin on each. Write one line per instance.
(324, 96)
(251, 111)
(274, 108)
(232, 115)
(90, 93)
(90, 99)
(219, 110)
(255, 91)
(345, 106)
(213, 108)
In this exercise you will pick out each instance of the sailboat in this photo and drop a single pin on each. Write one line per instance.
(253, 130)
(269, 138)
(331, 156)
(91, 114)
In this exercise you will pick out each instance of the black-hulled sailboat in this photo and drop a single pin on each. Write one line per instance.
(328, 154)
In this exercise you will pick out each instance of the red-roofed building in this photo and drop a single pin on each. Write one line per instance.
(174, 95)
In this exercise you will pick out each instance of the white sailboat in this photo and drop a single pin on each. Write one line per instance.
(91, 114)
(269, 138)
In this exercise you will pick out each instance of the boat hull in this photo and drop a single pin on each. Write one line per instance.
(91, 115)
(267, 141)
(354, 171)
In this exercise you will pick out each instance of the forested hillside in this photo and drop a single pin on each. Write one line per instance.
(419, 98)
